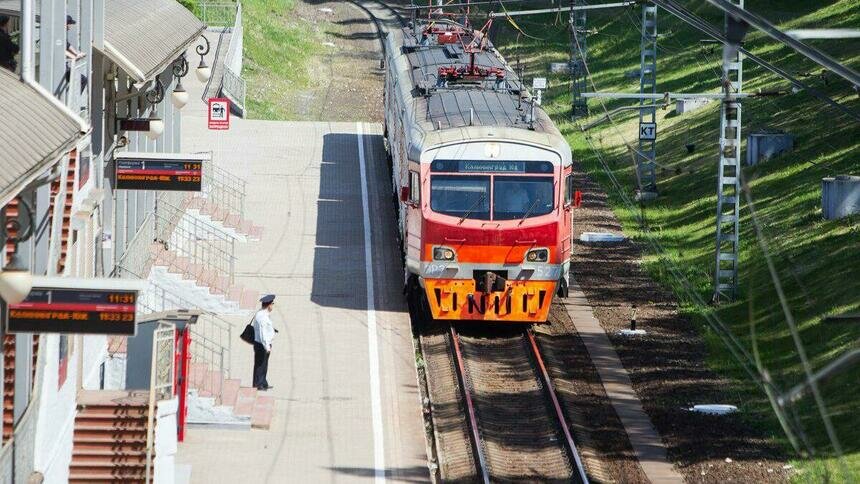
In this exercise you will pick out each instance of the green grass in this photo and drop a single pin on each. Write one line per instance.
(818, 261)
(278, 47)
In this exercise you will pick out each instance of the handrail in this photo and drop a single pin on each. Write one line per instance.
(232, 84)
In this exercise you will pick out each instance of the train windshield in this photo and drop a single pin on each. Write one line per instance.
(461, 196)
(516, 197)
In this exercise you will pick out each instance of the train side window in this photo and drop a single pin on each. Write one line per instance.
(568, 190)
(414, 187)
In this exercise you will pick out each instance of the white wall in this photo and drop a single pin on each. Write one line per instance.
(57, 408)
(165, 441)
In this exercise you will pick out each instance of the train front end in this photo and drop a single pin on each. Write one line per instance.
(495, 236)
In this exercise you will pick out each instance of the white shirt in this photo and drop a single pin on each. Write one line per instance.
(264, 332)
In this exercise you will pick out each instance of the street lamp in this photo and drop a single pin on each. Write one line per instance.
(15, 278)
(179, 97)
(155, 96)
(203, 71)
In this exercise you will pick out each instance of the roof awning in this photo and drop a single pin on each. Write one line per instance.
(143, 38)
(35, 130)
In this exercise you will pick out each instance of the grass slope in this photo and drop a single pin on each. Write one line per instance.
(818, 261)
(277, 48)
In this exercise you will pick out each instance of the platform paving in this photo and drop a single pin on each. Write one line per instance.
(305, 189)
(645, 440)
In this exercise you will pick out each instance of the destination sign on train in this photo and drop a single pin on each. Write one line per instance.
(494, 166)
(147, 171)
(76, 310)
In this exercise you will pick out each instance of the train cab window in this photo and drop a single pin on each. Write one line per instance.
(461, 196)
(516, 197)
(568, 190)
(414, 187)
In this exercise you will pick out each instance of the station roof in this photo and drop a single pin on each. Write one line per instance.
(34, 132)
(143, 38)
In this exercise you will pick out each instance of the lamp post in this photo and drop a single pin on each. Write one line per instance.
(155, 96)
(15, 278)
(179, 97)
(203, 71)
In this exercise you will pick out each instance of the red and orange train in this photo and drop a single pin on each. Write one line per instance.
(483, 176)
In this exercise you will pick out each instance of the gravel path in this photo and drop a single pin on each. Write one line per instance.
(667, 367)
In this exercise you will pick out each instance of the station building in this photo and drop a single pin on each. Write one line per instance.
(94, 79)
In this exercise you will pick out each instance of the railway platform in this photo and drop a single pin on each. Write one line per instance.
(347, 407)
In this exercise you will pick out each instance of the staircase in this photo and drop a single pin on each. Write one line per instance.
(67, 208)
(110, 437)
(243, 401)
(223, 218)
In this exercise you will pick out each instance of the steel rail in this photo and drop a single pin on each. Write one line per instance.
(562, 421)
(470, 407)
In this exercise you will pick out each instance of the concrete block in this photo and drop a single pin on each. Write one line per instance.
(840, 196)
(686, 105)
(764, 145)
(559, 68)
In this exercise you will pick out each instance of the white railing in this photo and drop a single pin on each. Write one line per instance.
(232, 85)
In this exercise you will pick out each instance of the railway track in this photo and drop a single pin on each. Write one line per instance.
(517, 428)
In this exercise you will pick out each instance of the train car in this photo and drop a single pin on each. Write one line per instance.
(482, 174)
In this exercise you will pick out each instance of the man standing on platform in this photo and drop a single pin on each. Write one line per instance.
(264, 333)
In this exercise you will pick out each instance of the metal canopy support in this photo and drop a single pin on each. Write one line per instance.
(646, 157)
(578, 52)
(728, 175)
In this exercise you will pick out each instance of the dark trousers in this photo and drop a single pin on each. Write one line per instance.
(261, 366)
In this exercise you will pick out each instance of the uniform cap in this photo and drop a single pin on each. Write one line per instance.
(267, 299)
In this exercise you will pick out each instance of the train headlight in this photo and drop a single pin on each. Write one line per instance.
(443, 253)
(537, 255)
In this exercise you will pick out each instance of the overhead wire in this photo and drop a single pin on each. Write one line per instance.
(730, 341)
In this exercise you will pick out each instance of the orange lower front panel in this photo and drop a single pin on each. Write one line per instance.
(521, 301)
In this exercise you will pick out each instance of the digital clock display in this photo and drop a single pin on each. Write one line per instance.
(140, 174)
(79, 311)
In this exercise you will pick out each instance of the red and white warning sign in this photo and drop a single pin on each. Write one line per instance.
(219, 113)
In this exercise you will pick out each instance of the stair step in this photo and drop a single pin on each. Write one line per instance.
(92, 458)
(110, 435)
(109, 445)
(231, 391)
(245, 399)
(264, 410)
(101, 477)
(85, 422)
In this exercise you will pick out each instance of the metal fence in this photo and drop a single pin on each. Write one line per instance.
(211, 337)
(232, 85)
(209, 251)
(220, 14)
(224, 189)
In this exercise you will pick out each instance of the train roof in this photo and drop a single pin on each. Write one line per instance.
(487, 102)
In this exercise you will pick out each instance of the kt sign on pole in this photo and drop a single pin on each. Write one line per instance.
(219, 113)
(647, 131)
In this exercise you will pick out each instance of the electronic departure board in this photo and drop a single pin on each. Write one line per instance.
(159, 174)
(79, 311)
